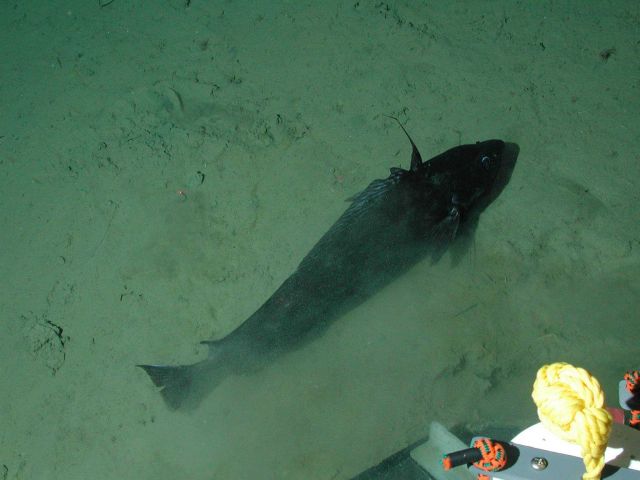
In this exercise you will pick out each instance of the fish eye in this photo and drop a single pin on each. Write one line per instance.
(485, 160)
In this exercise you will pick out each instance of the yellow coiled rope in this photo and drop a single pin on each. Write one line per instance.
(571, 405)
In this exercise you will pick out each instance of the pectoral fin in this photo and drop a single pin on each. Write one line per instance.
(464, 240)
(443, 234)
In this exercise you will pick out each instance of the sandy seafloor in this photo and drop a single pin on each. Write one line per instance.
(107, 112)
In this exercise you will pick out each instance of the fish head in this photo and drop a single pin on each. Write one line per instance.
(492, 168)
(473, 175)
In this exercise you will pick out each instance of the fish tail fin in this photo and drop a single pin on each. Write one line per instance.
(175, 382)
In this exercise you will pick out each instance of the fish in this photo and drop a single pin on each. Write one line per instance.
(414, 214)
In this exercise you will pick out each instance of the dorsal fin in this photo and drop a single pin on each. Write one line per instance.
(416, 158)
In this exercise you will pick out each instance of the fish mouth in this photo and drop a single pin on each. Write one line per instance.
(510, 154)
(508, 159)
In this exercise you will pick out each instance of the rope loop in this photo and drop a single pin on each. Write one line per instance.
(570, 404)
(494, 457)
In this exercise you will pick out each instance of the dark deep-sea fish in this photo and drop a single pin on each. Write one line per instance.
(388, 227)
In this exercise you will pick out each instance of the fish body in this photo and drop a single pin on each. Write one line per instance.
(388, 227)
